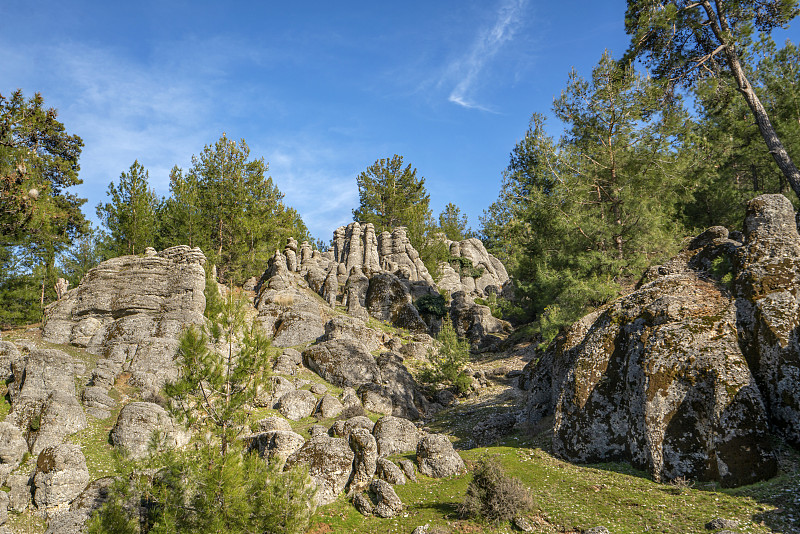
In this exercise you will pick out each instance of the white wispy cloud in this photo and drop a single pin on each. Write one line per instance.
(468, 69)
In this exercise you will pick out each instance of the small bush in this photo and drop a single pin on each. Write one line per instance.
(493, 495)
(447, 366)
(432, 304)
(722, 270)
(465, 267)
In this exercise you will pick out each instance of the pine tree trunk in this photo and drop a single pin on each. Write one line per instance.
(776, 148)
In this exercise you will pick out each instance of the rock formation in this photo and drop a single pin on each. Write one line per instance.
(131, 310)
(683, 377)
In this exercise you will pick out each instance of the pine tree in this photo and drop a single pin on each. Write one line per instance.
(131, 215)
(453, 223)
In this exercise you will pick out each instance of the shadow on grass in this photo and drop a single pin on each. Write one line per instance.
(447, 510)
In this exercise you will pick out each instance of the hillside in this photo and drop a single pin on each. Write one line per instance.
(348, 346)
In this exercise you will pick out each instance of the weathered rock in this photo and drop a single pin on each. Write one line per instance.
(4, 500)
(330, 289)
(342, 362)
(395, 435)
(131, 310)
(398, 384)
(329, 406)
(8, 353)
(342, 429)
(373, 399)
(61, 475)
(659, 378)
(389, 300)
(97, 402)
(36, 376)
(366, 454)
(12, 444)
(475, 322)
(767, 282)
(389, 504)
(362, 504)
(721, 523)
(20, 494)
(273, 422)
(436, 457)
(61, 416)
(493, 278)
(275, 445)
(329, 462)
(346, 327)
(90, 500)
(387, 470)
(137, 424)
(278, 387)
(297, 404)
(408, 469)
(296, 328)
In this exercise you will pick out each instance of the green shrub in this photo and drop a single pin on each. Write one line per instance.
(722, 270)
(433, 304)
(465, 267)
(447, 366)
(493, 495)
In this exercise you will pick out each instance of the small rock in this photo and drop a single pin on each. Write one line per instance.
(598, 530)
(720, 523)
(317, 430)
(408, 469)
(387, 470)
(523, 524)
(319, 389)
(389, 504)
(362, 503)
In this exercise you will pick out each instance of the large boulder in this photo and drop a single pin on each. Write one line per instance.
(329, 462)
(346, 327)
(395, 435)
(388, 503)
(437, 458)
(342, 362)
(35, 377)
(767, 284)
(131, 311)
(476, 322)
(680, 377)
(61, 415)
(297, 404)
(275, 445)
(389, 300)
(61, 475)
(139, 422)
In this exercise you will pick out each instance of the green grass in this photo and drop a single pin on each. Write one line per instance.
(574, 498)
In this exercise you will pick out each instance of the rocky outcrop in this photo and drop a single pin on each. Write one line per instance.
(329, 462)
(683, 377)
(342, 362)
(137, 425)
(297, 404)
(476, 322)
(389, 300)
(275, 445)
(131, 310)
(388, 503)
(767, 285)
(473, 270)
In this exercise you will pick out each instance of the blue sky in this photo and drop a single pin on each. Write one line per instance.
(319, 89)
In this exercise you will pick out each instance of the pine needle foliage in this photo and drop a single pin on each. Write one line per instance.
(446, 367)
